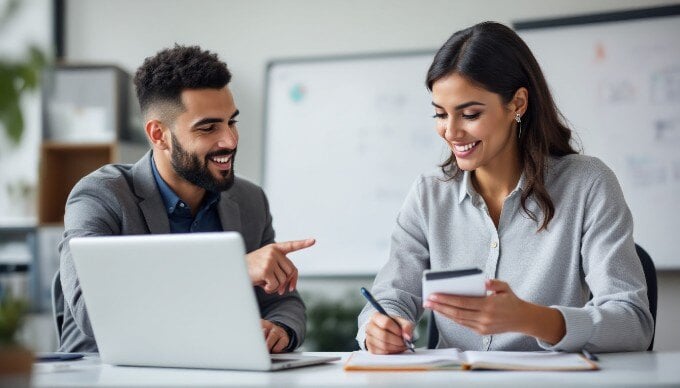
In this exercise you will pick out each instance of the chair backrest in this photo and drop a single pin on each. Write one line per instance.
(432, 331)
(57, 306)
(652, 291)
(652, 288)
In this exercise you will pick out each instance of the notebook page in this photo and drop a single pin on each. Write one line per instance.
(422, 357)
(527, 360)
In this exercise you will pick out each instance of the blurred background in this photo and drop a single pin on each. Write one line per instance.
(68, 108)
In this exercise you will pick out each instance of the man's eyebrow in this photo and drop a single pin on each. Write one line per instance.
(461, 106)
(211, 120)
(207, 120)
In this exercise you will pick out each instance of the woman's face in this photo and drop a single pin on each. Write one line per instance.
(478, 127)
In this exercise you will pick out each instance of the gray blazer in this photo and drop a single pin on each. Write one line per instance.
(124, 200)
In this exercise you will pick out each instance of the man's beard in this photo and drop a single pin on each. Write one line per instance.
(189, 167)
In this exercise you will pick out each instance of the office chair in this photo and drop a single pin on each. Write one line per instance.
(652, 291)
(57, 306)
(652, 288)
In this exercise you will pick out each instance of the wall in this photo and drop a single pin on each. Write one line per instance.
(247, 34)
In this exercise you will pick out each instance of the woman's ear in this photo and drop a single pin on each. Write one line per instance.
(520, 101)
(155, 131)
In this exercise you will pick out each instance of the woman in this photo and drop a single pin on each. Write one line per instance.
(546, 225)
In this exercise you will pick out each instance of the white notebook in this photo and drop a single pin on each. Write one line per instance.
(435, 359)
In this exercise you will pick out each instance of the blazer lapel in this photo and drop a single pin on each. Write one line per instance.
(151, 203)
(230, 215)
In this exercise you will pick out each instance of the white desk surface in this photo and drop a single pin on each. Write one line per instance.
(620, 369)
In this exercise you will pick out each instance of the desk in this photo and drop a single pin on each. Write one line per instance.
(622, 369)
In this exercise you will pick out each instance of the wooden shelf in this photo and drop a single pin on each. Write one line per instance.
(62, 165)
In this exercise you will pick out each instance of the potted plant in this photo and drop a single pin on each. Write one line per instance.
(332, 324)
(15, 360)
(16, 77)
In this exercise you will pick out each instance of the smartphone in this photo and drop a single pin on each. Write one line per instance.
(466, 282)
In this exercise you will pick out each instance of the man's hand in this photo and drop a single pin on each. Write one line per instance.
(383, 336)
(269, 268)
(275, 335)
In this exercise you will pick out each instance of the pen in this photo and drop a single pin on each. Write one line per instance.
(58, 356)
(377, 306)
(589, 355)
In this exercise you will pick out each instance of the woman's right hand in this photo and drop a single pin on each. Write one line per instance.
(383, 336)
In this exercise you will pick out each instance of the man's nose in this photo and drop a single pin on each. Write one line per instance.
(229, 138)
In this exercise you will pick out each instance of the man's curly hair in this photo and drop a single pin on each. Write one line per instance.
(162, 77)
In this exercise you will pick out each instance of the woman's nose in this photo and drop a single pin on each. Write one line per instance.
(450, 132)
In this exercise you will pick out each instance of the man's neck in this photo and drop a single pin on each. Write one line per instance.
(189, 193)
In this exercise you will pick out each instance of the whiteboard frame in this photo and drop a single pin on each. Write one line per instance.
(597, 18)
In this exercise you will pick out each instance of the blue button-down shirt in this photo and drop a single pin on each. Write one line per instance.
(179, 213)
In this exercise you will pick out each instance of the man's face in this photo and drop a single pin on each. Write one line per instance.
(205, 139)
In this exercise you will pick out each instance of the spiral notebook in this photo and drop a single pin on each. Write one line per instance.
(445, 359)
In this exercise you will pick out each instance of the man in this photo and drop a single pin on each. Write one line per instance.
(185, 184)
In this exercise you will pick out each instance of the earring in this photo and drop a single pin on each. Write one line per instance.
(519, 125)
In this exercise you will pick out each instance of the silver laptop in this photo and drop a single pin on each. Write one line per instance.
(180, 300)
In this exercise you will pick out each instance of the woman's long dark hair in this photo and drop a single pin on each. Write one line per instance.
(496, 58)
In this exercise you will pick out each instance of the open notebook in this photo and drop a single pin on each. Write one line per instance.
(438, 359)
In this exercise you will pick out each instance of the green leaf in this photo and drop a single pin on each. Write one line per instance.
(26, 79)
(8, 92)
(15, 125)
(12, 313)
(38, 59)
(16, 78)
(13, 119)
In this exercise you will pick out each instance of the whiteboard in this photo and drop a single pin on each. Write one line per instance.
(616, 78)
(345, 138)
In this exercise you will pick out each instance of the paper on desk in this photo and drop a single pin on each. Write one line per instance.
(422, 359)
(526, 360)
(435, 359)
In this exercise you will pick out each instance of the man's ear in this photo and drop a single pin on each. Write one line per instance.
(520, 101)
(155, 131)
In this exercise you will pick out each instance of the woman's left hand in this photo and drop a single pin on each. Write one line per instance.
(499, 312)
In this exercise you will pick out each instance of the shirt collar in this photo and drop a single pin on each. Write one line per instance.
(210, 199)
(170, 198)
(520, 184)
(467, 189)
